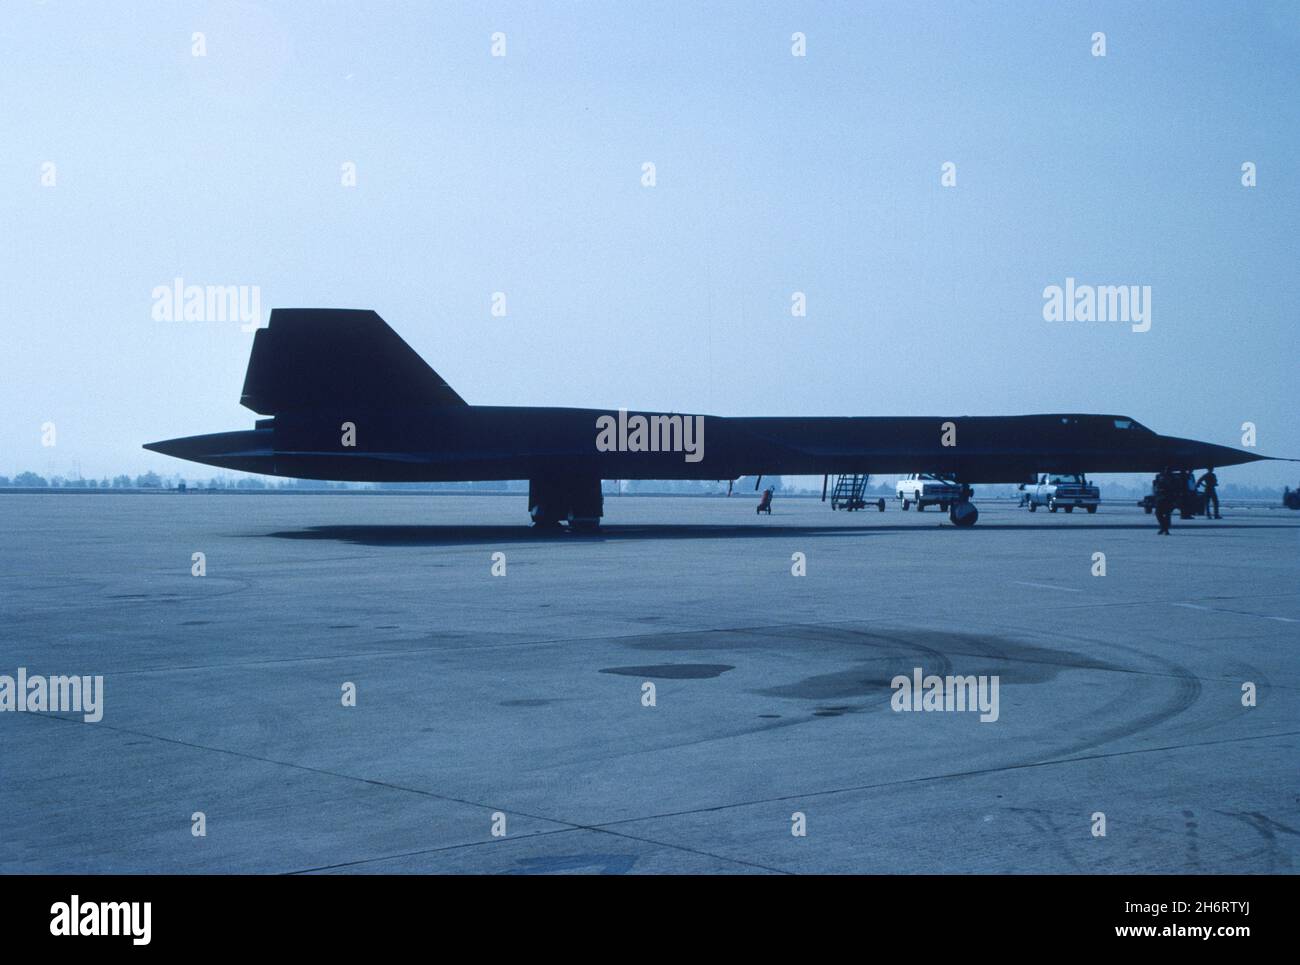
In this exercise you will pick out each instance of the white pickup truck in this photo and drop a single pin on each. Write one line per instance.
(1061, 491)
(926, 489)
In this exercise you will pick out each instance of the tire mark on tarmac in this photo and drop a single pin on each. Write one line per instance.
(1189, 687)
(1240, 613)
(1045, 824)
(1047, 586)
(952, 775)
(1187, 691)
(569, 641)
(388, 785)
(1267, 829)
(1186, 694)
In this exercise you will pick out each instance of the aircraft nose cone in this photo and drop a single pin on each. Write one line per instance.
(1189, 452)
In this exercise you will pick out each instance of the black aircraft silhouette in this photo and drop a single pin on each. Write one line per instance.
(349, 400)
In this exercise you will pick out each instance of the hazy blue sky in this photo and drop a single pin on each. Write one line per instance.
(775, 174)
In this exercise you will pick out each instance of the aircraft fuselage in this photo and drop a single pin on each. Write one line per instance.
(461, 443)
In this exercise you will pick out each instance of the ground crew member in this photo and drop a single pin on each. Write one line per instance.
(1166, 492)
(1211, 483)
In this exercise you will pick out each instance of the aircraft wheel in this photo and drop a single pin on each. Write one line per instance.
(963, 514)
(880, 505)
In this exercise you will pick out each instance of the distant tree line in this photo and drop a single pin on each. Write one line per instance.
(744, 486)
(151, 480)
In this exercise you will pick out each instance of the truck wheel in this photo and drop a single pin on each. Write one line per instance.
(1051, 507)
(1033, 506)
(905, 505)
(1091, 510)
(919, 506)
(1069, 509)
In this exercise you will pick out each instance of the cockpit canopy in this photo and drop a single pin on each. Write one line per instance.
(1108, 422)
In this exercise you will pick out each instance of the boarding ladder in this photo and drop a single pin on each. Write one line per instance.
(848, 492)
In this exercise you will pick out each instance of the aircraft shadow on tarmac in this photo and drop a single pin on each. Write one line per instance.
(403, 535)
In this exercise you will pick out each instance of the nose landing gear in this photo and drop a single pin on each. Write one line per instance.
(963, 512)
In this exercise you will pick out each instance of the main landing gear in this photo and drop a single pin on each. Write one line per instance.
(553, 500)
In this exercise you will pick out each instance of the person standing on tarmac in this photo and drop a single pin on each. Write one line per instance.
(1211, 483)
(1166, 493)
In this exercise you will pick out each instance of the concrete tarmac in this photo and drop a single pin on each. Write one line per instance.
(515, 702)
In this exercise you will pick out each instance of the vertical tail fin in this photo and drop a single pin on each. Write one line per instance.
(328, 357)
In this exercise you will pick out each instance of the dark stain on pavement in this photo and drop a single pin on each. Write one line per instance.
(674, 671)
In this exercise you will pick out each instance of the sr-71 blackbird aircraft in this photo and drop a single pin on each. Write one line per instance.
(347, 399)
